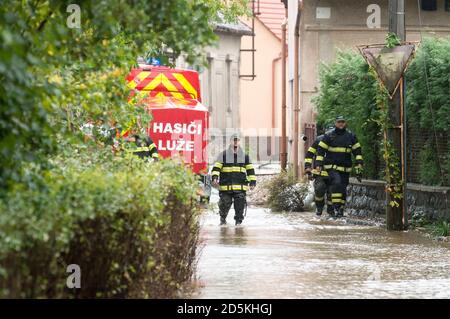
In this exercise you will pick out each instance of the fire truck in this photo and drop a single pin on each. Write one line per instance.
(179, 123)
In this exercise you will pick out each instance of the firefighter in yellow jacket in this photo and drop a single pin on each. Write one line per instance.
(139, 143)
(335, 153)
(143, 147)
(321, 179)
(234, 174)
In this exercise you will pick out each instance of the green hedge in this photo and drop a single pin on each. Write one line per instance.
(428, 105)
(347, 88)
(131, 226)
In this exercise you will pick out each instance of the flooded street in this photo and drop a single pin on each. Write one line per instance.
(296, 255)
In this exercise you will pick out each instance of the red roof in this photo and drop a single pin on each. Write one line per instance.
(272, 14)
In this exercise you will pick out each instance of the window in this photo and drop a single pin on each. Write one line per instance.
(447, 5)
(429, 5)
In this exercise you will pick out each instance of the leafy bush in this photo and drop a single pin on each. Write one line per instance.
(138, 221)
(53, 78)
(439, 228)
(131, 226)
(429, 172)
(285, 194)
(434, 57)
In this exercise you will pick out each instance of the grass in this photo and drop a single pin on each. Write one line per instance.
(440, 228)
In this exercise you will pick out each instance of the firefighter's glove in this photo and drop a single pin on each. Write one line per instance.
(215, 181)
(252, 185)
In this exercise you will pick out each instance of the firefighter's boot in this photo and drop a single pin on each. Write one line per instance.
(330, 210)
(319, 211)
(339, 211)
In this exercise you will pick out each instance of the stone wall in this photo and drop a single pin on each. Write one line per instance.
(368, 199)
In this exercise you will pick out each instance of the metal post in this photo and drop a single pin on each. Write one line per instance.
(396, 216)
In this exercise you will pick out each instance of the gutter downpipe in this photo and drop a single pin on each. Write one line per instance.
(272, 143)
(283, 153)
(296, 90)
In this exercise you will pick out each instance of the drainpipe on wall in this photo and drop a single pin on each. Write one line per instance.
(296, 89)
(210, 59)
(283, 153)
(272, 142)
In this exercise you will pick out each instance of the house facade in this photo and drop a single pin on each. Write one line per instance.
(260, 111)
(327, 26)
(220, 83)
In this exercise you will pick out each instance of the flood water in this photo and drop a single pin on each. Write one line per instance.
(296, 255)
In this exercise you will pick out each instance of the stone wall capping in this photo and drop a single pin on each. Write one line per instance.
(410, 186)
(368, 200)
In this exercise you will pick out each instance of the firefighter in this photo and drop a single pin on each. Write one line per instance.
(233, 172)
(141, 144)
(321, 179)
(337, 146)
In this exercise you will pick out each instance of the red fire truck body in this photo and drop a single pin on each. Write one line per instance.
(179, 122)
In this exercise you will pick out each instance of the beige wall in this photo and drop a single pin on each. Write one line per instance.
(346, 29)
(219, 87)
(219, 81)
(257, 96)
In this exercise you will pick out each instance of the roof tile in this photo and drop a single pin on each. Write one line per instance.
(271, 14)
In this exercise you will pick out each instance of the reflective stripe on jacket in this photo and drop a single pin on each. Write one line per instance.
(234, 170)
(310, 158)
(338, 146)
(144, 148)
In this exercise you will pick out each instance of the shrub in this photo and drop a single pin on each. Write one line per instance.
(430, 89)
(428, 103)
(429, 172)
(285, 194)
(131, 226)
(440, 228)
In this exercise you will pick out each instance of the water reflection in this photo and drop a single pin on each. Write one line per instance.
(299, 256)
(231, 235)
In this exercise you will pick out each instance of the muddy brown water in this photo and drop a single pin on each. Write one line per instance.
(296, 255)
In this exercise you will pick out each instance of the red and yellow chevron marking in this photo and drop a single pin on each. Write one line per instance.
(186, 85)
(140, 77)
(169, 84)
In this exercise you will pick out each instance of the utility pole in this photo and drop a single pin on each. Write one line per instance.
(397, 216)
